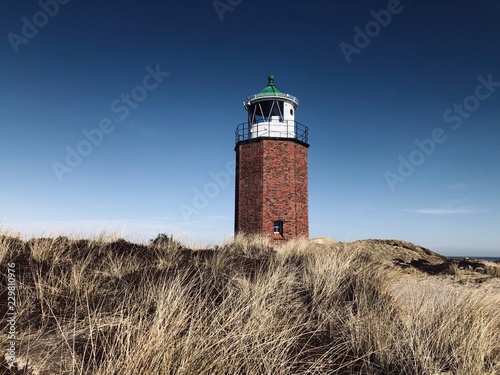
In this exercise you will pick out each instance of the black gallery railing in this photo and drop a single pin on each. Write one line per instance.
(265, 129)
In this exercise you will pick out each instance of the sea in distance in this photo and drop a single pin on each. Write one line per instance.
(491, 259)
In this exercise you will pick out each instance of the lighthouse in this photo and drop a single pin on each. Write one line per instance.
(271, 167)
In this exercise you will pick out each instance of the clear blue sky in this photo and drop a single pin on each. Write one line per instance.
(158, 88)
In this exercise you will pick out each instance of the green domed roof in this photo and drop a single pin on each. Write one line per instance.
(271, 91)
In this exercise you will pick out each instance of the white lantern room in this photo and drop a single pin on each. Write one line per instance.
(271, 113)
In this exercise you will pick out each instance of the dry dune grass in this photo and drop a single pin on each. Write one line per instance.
(107, 306)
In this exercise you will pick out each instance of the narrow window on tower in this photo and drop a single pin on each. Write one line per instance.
(278, 227)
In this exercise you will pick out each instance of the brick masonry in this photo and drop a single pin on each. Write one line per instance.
(271, 185)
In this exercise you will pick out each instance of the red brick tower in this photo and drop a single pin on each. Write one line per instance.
(271, 167)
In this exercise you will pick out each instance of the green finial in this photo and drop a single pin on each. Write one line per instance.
(271, 80)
